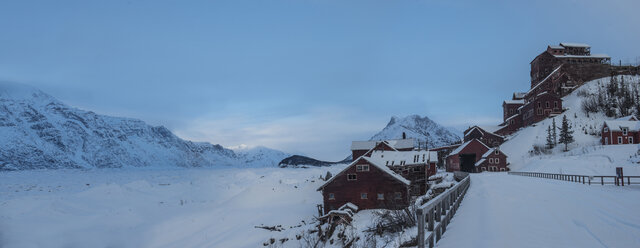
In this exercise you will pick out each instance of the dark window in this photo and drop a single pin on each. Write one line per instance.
(398, 195)
(363, 195)
(352, 177)
(364, 167)
(416, 169)
(380, 196)
(555, 104)
(332, 196)
(546, 104)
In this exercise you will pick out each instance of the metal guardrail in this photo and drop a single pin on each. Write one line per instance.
(439, 211)
(584, 179)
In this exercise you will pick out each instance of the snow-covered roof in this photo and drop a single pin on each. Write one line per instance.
(486, 154)
(597, 56)
(521, 101)
(473, 128)
(480, 162)
(519, 94)
(349, 205)
(383, 168)
(627, 118)
(459, 149)
(397, 144)
(396, 157)
(556, 47)
(569, 44)
(617, 126)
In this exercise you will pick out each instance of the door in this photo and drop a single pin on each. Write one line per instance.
(468, 162)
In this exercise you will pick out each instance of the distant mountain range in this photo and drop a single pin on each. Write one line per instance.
(422, 129)
(37, 132)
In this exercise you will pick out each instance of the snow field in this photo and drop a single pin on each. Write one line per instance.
(156, 208)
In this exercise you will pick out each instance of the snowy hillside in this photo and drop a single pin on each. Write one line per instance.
(420, 128)
(39, 131)
(586, 155)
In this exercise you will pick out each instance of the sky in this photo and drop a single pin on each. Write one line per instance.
(305, 77)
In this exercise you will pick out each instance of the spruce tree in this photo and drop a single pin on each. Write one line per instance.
(549, 138)
(566, 134)
(554, 135)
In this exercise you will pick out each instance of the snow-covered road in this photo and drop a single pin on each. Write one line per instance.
(503, 210)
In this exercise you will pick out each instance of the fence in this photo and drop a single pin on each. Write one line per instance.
(439, 211)
(584, 179)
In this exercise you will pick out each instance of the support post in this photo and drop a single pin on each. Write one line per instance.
(420, 237)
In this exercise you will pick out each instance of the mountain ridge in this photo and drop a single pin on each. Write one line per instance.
(41, 132)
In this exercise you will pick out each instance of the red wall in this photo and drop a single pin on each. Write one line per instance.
(475, 147)
(371, 182)
(613, 137)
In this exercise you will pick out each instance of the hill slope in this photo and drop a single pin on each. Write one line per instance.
(586, 155)
(39, 131)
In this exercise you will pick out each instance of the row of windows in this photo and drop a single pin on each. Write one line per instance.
(363, 167)
(496, 160)
(629, 139)
(380, 196)
(625, 130)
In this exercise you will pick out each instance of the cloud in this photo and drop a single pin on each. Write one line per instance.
(323, 133)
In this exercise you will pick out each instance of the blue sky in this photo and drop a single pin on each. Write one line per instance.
(301, 76)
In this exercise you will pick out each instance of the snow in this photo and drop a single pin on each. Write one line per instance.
(617, 125)
(598, 56)
(382, 167)
(395, 157)
(521, 101)
(156, 207)
(569, 44)
(545, 79)
(586, 155)
(501, 210)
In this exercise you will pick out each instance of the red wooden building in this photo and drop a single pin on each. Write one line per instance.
(621, 131)
(382, 177)
(359, 148)
(366, 184)
(492, 160)
(488, 138)
(465, 157)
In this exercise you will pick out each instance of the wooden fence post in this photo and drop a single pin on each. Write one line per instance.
(420, 237)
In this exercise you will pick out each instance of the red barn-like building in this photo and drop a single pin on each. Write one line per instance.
(621, 131)
(492, 160)
(359, 148)
(464, 157)
(368, 185)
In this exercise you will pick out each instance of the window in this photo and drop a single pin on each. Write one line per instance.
(606, 129)
(380, 196)
(363, 195)
(392, 162)
(364, 167)
(398, 195)
(539, 111)
(423, 157)
(630, 140)
(484, 168)
(497, 160)
(539, 105)
(619, 140)
(387, 162)
(497, 152)
(416, 169)
(510, 111)
(352, 177)
(546, 104)
(332, 196)
(555, 104)
(491, 160)
(624, 131)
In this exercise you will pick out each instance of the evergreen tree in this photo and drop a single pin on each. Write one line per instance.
(549, 138)
(554, 135)
(566, 134)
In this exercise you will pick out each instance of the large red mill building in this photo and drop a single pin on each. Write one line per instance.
(555, 72)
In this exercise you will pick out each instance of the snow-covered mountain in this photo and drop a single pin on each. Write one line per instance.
(38, 131)
(422, 129)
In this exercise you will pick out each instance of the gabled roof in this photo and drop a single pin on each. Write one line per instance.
(556, 47)
(472, 128)
(483, 130)
(480, 162)
(396, 157)
(627, 118)
(617, 126)
(383, 168)
(486, 154)
(397, 144)
(460, 148)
